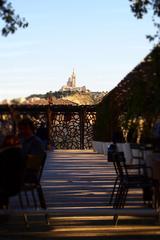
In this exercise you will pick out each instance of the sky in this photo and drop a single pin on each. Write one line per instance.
(100, 39)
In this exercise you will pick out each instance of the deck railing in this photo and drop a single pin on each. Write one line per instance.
(69, 127)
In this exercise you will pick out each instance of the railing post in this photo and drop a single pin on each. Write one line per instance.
(48, 123)
(13, 118)
(81, 116)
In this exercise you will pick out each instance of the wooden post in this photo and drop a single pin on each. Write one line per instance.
(81, 116)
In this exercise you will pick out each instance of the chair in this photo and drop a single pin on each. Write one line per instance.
(32, 185)
(137, 168)
(128, 181)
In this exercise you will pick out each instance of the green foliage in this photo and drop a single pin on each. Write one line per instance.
(100, 127)
(11, 20)
(143, 97)
(107, 119)
(142, 7)
(134, 104)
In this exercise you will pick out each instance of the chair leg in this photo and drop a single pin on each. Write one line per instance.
(119, 194)
(113, 190)
(123, 199)
(20, 200)
(156, 198)
(115, 220)
(34, 198)
(27, 199)
(26, 220)
(41, 197)
(42, 202)
(24, 215)
(116, 202)
(120, 200)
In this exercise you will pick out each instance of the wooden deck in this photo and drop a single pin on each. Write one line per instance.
(77, 186)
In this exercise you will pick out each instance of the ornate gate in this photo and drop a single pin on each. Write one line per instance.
(69, 127)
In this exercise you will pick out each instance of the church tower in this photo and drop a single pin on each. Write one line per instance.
(73, 79)
(71, 83)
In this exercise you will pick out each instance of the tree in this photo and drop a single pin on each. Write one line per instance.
(142, 7)
(11, 20)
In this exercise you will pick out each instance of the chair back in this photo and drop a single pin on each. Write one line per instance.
(137, 152)
(120, 165)
(33, 174)
(42, 166)
(110, 151)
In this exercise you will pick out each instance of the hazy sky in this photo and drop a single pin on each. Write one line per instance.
(100, 39)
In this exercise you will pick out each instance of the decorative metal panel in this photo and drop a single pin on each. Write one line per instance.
(69, 127)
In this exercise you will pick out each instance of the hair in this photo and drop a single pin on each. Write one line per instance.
(26, 122)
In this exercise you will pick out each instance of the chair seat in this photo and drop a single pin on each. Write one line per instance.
(29, 186)
(137, 181)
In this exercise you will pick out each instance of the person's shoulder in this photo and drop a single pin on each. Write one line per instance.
(37, 142)
(36, 139)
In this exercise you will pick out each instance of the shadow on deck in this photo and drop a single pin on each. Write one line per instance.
(77, 186)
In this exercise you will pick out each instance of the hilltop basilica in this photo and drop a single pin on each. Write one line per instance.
(71, 84)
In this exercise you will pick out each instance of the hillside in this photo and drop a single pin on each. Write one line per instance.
(80, 98)
(60, 98)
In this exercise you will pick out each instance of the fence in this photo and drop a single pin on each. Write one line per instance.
(69, 127)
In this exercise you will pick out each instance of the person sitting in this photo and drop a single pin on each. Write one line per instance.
(32, 147)
(12, 166)
(42, 133)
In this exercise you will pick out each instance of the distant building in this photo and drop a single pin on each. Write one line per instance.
(71, 85)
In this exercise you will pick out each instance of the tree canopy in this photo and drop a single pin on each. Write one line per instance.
(142, 7)
(10, 19)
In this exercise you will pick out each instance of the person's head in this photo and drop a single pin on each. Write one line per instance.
(26, 127)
